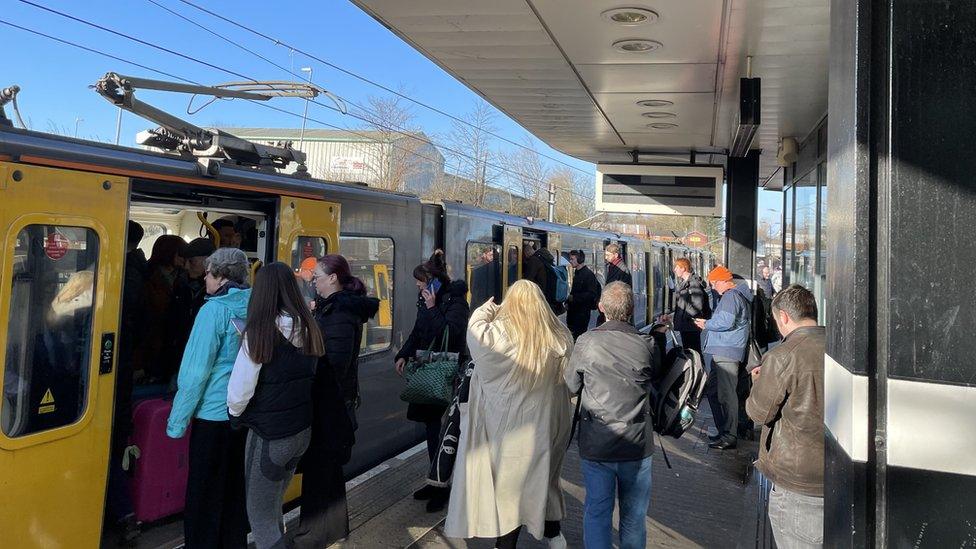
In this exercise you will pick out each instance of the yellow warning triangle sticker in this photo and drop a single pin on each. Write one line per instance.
(48, 398)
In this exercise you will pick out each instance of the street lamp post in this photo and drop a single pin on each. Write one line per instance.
(301, 139)
(78, 121)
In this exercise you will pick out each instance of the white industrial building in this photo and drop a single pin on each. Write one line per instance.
(397, 162)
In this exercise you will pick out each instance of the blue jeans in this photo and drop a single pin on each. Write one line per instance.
(633, 481)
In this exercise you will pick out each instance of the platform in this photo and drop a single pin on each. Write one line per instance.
(708, 499)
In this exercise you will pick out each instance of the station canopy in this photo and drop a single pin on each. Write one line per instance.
(578, 76)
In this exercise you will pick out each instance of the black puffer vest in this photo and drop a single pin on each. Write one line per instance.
(282, 401)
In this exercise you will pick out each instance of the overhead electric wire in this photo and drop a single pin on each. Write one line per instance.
(373, 116)
(525, 177)
(374, 83)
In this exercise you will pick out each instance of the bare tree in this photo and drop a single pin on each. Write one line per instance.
(527, 177)
(473, 154)
(573, 201)
(395, 155)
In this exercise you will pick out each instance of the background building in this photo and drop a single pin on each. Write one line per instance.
(406, 163)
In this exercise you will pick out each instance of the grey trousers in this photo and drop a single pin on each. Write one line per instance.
(796, 519)
(268, 468)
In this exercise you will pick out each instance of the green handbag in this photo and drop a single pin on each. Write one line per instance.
(430, 376)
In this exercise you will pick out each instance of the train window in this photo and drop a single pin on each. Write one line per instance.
(371, 259)
(49, 330)
(305, 252)
(484, 272)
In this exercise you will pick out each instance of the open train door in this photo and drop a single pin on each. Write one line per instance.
(307, 230)
(61, 273)
(512, 264)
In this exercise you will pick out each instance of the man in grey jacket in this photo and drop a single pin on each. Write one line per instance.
(614, 365)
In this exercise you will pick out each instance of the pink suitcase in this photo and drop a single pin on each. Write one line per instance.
(158, 482)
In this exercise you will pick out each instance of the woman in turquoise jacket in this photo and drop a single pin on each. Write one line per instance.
(214, 515)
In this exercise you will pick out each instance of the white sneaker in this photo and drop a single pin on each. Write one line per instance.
(558, 542)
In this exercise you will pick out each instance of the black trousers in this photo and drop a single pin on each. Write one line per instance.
(691, 340)
(510, 540)
(215, 515)
(577, 322)
(325, 514)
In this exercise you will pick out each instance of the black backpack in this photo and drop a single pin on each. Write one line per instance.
(678, 393)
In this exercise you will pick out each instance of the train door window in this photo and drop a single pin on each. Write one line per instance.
(484, 272)
(371, 260)
(49, 330)
(513, 264)
(305, 252)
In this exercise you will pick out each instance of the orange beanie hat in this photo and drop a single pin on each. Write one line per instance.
(720, 273)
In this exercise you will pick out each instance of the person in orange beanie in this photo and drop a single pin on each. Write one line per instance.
(726, 340)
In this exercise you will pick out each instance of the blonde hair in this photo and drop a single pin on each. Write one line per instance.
(535, 332)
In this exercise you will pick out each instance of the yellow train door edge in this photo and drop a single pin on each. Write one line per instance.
(61, 273)
(309, 218)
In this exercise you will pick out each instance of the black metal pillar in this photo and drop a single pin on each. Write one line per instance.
(900, 244)
(740, 214)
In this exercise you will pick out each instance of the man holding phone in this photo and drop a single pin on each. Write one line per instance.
(726, 337)
(787, 399)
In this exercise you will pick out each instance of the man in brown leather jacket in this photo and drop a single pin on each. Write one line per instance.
(787, 399)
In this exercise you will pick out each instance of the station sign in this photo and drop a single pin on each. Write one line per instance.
(661, 190)
(695, 239)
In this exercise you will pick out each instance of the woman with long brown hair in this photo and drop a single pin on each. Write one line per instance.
(516, 428)
(270, 392)
(341, 310)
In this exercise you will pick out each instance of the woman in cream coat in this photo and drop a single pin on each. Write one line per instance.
(515, 427)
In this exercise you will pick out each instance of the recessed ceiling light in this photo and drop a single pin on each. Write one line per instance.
(662, 126)
(630, 16)
(659, 114)
(655, 103)
(637, 45)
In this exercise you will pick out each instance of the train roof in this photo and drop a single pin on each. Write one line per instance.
(32, 147)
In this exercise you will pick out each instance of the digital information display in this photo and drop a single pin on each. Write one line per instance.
(662, 190)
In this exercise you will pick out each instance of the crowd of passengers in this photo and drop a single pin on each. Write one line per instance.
(268, 385)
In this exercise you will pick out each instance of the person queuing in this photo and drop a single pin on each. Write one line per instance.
(214, 514)
(726, 337)
(787, 400)
(190, 290)
(617, 271)
(160, 355)
(270, 393)
(441, 305)
(614, 365)
(119, 513)
(583, 295)
(691, 302)
(341, 310)
(516, 428)
(537, 267)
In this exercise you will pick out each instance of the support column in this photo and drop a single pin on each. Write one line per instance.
(740, 214)
(900, 378)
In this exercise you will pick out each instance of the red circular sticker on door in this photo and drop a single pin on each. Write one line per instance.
(55, 246)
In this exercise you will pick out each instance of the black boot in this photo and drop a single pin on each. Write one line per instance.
(439, 500)
(425, 493)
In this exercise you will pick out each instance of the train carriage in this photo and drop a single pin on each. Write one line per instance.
(64, 206)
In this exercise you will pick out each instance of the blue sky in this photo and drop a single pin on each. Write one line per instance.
(55, 77)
